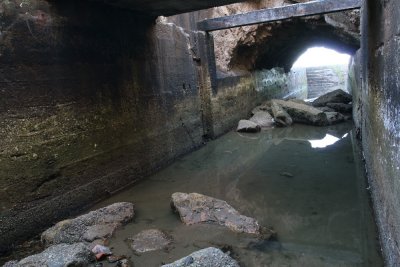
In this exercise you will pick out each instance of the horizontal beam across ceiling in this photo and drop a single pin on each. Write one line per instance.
(280, 13)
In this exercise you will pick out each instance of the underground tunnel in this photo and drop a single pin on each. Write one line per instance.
(119, 118)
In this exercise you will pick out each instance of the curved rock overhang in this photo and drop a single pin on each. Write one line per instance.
(280, 44)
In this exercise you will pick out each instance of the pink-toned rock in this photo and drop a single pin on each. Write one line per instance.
(196, 208)
(94, 225)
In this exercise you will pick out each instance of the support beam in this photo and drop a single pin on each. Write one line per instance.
(281, 13)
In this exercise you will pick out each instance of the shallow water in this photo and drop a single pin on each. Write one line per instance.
(314, 198)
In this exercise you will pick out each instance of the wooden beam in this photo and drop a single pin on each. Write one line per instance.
(280, 13)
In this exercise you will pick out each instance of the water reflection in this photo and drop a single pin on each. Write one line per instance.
(313, 198)
(326, 141)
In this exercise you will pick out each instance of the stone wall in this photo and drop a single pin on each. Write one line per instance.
(236, 96)
(92, 99)
(381, 116)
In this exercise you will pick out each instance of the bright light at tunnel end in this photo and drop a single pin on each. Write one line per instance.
(321, 56)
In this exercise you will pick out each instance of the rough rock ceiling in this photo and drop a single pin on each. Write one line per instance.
(166, 7)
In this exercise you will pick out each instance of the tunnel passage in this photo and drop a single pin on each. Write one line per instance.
(279, 44)
(285, 41)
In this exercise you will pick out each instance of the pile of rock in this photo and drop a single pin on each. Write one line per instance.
(328, 109)
(76, 242)
(80, 241)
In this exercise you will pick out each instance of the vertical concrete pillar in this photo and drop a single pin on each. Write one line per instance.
(207, 79)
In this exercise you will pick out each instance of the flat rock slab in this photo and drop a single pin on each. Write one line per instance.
(263, 119)
(303, 113)
(337, 96)
(208, 257)
(150, 240)
(61, 255)
(196, 208)
(248, 126)
(94, 225)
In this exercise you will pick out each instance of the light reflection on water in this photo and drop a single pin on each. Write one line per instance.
(320, 211)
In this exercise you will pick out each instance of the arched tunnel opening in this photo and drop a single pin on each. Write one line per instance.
(319, 70)
(133, 133)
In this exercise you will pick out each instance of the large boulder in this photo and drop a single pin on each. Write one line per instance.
(248, 126)
(196, 208)
(61, 255)
(337, 96)
(282, 118)
(150, 240)
(94, 225)
(303, 113)
(208, 257)
(263, 119)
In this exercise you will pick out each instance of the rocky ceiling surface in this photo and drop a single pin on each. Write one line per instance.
(278, 44)
(166, 7)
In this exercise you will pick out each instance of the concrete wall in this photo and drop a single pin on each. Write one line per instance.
(236, 96)
(381, 116)
(92, 99)
(354, 86)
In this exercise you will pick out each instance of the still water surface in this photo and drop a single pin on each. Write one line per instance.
(305, 182)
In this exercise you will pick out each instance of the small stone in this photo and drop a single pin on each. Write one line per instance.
(208, 257)
(150, 240)
(101, 249)
(100, 256)
(248, 126)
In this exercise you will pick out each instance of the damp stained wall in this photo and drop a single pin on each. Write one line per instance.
(92, 99)
(380, 113)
